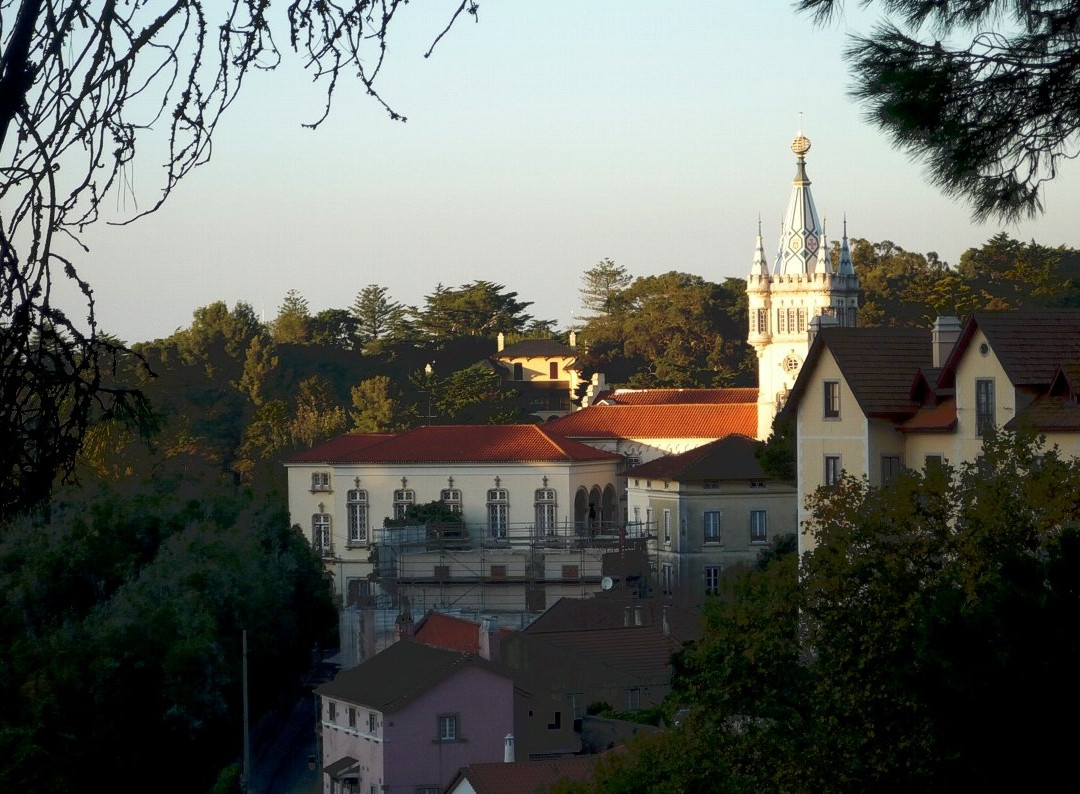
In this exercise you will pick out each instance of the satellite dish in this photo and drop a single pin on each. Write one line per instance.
(606, 583)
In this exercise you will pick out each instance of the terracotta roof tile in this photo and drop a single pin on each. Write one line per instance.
(730, 458)
(392, 679)
(450, 632)
(658, 421)
(933, 418)
(462, 444)
(678, 396)
(526, 776)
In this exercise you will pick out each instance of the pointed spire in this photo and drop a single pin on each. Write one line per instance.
(824, 263)
(846, 266)
(760, 266)
(800, 239)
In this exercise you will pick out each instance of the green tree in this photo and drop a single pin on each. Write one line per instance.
(377, 316)
(481, 308)
(601, 285)
(983, 92)
(316, 417)
(293, 323)
(377, 407)
(83, 85)
(260, 361)
(334, 328)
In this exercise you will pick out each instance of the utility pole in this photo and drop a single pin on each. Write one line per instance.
(245, 776)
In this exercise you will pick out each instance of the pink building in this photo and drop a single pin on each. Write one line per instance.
(410, 717)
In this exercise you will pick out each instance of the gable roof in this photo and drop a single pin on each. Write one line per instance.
(459, 444)
(451, 632)
(880, 366)
(392, 679)
(658, 421)
(729, 458)
(607, 612)
(1029, 343)
(678, 396)
(641, 654)
(523, 776)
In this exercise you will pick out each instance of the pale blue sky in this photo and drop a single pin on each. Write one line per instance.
(539, 141)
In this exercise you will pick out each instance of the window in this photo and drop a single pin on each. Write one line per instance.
(448, 727)
(759, 532)
(404, 498)
(632, 461)
(832, 469)
(763, 321)
(933, 463)
(667, 579)
(890, 468)
(781, 321)
(556, 721)
(519, 372)
(356, 512)
(352, 717)
(498, 504)
(571, 572)
(757, 483)
(711, 524)
(320, 481)
(422, 789)
(441, 572)
(667, 526)
(320, 533)
(451, 497)
(545, 511)
(553, 370)
(984, 405)
(648, 519)
(802, 321)
(356, 589)
(331, 710)
(372, 723)
(832, 399)
(498, 571)
(711, 485)
(712, 579)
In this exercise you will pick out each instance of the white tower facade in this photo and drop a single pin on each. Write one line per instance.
(803, 283)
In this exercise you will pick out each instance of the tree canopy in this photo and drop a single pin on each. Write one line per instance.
(983, 92)
(934, 616)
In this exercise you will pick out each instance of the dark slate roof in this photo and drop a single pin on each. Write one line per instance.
(880, 366)
(458, 444)
(678, 396)
(392, 679)
(609, 612)
(537, 348)
(641, 652)
(730, 458)
(1030, 343)
(525, 776)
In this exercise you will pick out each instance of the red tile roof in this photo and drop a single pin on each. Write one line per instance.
(679, 396)
(450, 632)
(460, 444)
(658, 421)
(730, 458)
(939, 418)
(525, 776)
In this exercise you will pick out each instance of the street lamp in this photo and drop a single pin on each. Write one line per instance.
(428, 372)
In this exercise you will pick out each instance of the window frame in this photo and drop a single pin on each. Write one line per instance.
(711, 576)
(759, 525)
(545, 508)
(830, 400)
(451, 497)
(356, 514)
(498, 513)
(667, 525)
(834, 466)
(714, 538)
(891, 466)
(322, 537)
(404, 498)
(444, 721)
(985, 406)
(320, 481)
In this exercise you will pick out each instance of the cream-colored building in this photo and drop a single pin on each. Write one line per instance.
(544, 371)
(871, 401)
(711, 509)
(803, 283)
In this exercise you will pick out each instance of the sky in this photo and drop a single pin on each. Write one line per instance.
(540, 141)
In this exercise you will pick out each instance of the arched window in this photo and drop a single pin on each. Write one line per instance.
(320, 533)
(404, 498)
(546, 511)
(498, 505)
(356, 511)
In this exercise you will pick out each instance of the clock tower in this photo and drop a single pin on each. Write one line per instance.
(803, 283)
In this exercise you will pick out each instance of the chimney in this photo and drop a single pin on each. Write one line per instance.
(573, 338)
(946, 334)
(508, 749)
(489, 639)
(502, 341)
(818, 322)
(639, 615)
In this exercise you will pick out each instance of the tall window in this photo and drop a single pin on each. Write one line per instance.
(451, 497)
(667, 526)
(762, 321)
(984, 405)
(759, 532)
(372, 723)
(356, 511)
(667, 579)
(519, 372)
(712, 579)
(553, 370)
(545, 511)
(832, 469)
(498, 504)
(832, 399)
(890, 468)
(320, 532)
(781, 321)
(320, 481)
(711, 523)
(404, 498)
(802, 321)
(448, 727)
